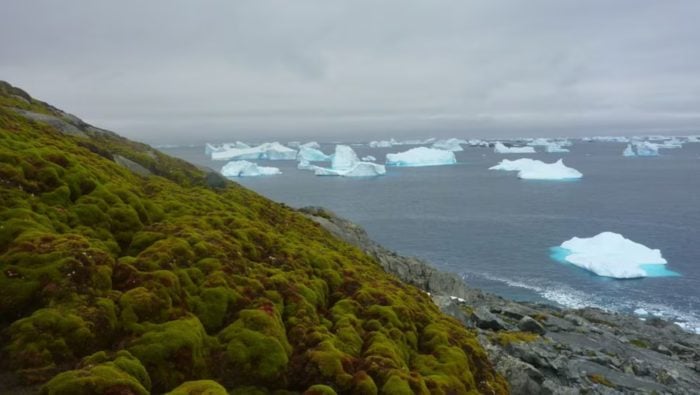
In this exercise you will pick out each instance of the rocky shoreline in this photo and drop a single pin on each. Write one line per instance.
(542, 349)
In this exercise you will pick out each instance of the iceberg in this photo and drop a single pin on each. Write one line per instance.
(628, 151)
(421, 156)
(243, 168)
(452, 144)
(383, 143)
(531, 169)
(499, 148)
(647, 149)
(369, 158)
(554, 147)
(309, 154)
(609, 254)
(269, 151)
(311, 144)
(345, 163)
(209, 148)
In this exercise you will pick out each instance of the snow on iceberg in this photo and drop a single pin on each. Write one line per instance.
(609, 254)
(346, 163)
(269, 151)
(531, 169)
(421, 156)
(310, 154)
(647, 149)
(243, 168)
(452, 144)
(499, 148)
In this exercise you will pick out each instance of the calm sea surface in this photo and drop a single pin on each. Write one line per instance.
(496, 230)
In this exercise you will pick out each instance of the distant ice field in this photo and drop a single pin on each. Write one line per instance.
(497, 230)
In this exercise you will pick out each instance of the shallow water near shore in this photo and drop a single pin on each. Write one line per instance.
(496, 230)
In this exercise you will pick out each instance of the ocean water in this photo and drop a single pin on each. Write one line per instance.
(497, 231)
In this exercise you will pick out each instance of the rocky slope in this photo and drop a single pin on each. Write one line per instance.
(543, 349)
(125, 271)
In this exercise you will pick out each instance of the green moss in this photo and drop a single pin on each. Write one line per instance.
(101, 374)
(504, 338)
(395, 385)
(257, 351)
(199, 387)
(320, 389)
(641, 343)
(172, 352)
(602, 380)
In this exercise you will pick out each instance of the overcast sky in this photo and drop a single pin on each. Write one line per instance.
(188, 71)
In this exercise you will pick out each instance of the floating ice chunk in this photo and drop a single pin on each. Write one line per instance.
(449, 144)
(499, 148)
(310, 154)
(647, 149)
(628, 151)
(531, 169)
(421, 156)
(311, 144)
(209, 148)
(555, 147)
(243, 168)
(360, 169)
(383, 143)
(609, 254)
(641, 311)
(344, 157)
(346, 163)
(477, 143)
(369, 158)
(270, 151)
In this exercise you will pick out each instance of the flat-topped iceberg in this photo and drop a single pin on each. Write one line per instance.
(383, 143)
(609, 254)
(209, 148)
(531, 169)
(369, 158)
(554, 147)
(269, 151)
(243, 168)
(452, 144)
(499, 148)
(310, 154)
(421, 156)
(346, 163)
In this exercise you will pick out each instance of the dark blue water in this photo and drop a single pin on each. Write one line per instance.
(497, 230)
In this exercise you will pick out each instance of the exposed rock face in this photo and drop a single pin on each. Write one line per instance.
(544, 349)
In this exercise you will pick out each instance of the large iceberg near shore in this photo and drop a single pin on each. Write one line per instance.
(269, 151)
(243, 168)
(421, 156)
(346, 163)
(609, 254)
(531, 169)
(499, 148)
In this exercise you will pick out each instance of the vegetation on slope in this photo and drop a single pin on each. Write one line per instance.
(114, 282)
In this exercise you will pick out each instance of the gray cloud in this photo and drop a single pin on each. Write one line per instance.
(177, 71)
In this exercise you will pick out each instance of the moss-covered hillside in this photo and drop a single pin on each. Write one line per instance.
(125, 271)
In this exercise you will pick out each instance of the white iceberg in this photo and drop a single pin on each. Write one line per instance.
(309, 154)
(452, 144)
(269, 151)
(311, 144)
(421, 156)
(628, 151)
(647, 149)
(499, 148)
(209, 148)
(345, 163)
(611, 255)
(531, 169)
(243, 168)
(383, 143)
(369, 158)
(555, 147)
